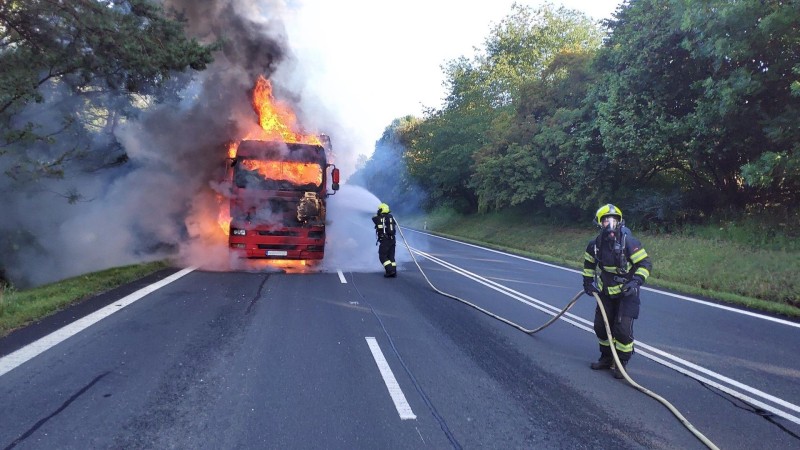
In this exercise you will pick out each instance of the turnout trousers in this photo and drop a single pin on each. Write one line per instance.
(621, 313)
(386, 250)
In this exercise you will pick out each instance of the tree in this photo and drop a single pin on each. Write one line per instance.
(525, 42)
(644, 100)
(517, 70)
(480, 107)
(549, 155)
(748, 104)
(80, 55)
(695, 92)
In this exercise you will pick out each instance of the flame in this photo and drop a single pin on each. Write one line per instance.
(224, 215)
(295, 172)
(275, 118)
(286, 266)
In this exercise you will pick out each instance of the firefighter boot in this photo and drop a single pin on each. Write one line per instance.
(618, 373)
(603, 363)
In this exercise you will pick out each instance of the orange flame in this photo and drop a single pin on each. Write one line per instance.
(224, 215)
(295, 172)
(278, 122)
(275, 118)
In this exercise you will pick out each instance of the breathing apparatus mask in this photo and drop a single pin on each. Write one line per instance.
(610, 226)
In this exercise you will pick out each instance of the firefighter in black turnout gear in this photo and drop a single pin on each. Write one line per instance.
(615, 266)
(385, 229)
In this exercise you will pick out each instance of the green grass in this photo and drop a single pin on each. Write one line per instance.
(762, 275)
(19, 308)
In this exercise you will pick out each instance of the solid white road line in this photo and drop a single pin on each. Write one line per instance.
(13, 360)
(644, 288)
(403, 408)
(341, 277)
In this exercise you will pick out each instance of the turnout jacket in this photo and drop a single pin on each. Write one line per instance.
(385, 226)
(614, 260)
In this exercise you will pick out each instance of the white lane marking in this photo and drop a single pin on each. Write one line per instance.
(19, 357)
(727, 389)
(341, 277)
(588, 326)
(669, 294)
(403, 408)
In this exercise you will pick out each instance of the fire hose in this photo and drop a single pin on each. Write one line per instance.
(617, 362)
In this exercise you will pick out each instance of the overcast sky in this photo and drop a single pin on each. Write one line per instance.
(371, 61)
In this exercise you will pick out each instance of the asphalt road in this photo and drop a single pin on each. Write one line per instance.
(353, 360)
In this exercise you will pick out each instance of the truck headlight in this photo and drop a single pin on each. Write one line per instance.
(238, 231)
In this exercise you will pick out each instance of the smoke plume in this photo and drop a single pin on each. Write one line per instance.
(161, 198)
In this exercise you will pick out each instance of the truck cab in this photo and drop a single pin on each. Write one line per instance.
(278, 199)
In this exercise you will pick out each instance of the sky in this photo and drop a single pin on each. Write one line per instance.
(373, 61)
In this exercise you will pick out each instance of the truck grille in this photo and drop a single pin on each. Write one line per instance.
(278, 233)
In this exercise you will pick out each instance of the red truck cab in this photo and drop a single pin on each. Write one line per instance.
(278, 199)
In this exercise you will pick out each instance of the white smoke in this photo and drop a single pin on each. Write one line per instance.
(351, 233)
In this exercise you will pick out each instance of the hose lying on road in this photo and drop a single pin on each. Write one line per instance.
(580, 293)
(641, 388)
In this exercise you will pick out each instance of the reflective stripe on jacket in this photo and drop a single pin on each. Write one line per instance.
(601, 264)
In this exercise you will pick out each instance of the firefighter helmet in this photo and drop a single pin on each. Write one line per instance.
(383, 208)
(607, 210)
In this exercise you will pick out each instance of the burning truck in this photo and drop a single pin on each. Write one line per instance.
(279, 182)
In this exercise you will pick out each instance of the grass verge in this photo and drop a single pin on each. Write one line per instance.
(20, 308)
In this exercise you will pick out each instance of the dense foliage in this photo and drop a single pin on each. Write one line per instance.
(680, 110)
(71, 70)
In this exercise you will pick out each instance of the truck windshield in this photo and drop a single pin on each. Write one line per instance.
(277, 175)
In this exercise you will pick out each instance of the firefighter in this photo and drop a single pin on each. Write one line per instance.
(615, 266)
(385, 229)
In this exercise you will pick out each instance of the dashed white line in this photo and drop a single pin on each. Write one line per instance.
(341, 277)
(399, 399)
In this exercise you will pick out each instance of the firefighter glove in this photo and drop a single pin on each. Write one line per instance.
(633, 284)
(590, 289)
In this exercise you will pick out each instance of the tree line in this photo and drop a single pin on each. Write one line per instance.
(679, 110)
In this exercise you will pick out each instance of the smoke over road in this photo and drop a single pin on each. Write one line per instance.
(163, 200)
